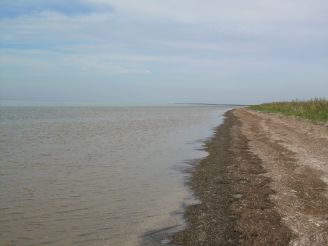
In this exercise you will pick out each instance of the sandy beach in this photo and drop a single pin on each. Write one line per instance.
(264, 182)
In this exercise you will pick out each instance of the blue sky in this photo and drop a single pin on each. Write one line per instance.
(148, 51)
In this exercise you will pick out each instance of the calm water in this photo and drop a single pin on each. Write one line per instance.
(96, 175)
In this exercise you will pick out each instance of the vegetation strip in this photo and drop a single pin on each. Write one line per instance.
(315, 110)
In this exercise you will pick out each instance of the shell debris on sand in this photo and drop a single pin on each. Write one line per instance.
(264, 182)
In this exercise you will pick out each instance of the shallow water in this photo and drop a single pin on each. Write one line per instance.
(96, 175)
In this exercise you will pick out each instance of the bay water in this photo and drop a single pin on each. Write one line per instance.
(97, 175)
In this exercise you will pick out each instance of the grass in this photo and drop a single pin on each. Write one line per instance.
(315, 110)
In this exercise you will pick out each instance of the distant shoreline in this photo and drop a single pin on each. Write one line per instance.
(255, 189)
(26, 103)
(215, 104)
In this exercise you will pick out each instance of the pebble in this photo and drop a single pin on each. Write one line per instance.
(237, 196)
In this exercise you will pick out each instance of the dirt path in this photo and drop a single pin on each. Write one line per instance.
(263, 183)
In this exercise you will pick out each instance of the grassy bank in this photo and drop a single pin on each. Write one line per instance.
(315, 110)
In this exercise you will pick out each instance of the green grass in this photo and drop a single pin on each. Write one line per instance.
(315, 110)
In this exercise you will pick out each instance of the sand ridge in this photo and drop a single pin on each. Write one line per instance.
(294, 153)
(263, 183)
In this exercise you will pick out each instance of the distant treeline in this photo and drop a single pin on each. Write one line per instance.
(315, 110)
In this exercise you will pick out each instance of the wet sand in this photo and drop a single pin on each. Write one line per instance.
(264, 182)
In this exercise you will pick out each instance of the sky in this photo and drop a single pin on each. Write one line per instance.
(168, 51)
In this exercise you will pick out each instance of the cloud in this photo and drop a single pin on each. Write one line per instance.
(58, 62)
(219, 10)
(12, 9)
(209, 40)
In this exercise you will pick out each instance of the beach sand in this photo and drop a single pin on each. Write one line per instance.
(264, 182)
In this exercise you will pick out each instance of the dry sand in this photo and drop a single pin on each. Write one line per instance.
(264, 183)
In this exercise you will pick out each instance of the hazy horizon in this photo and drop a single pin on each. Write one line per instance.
(163, 52)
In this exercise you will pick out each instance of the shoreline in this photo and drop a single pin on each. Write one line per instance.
(257, 185)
